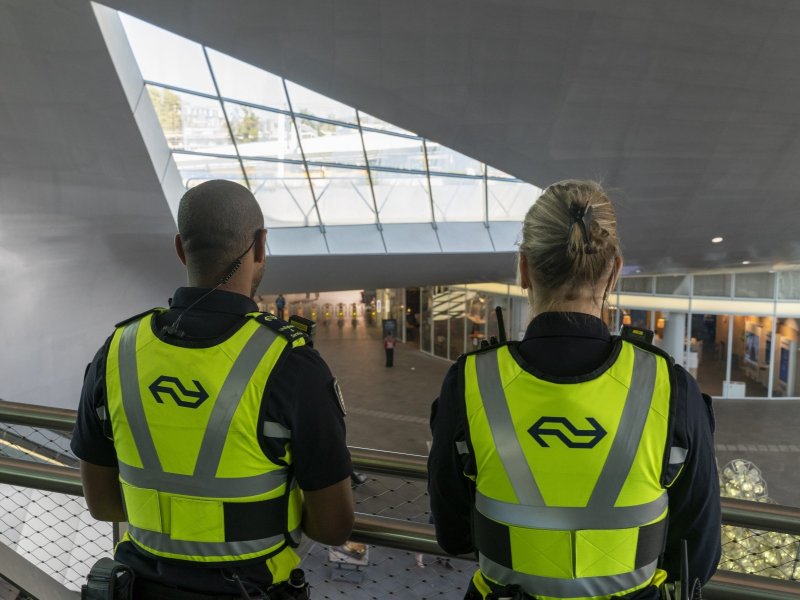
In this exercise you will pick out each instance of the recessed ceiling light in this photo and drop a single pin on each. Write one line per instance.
(745, 262)
(716, 240)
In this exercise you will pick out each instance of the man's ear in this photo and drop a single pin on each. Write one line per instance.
(260, 246)
(179, 248)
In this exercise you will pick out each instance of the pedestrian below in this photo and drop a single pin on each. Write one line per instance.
(389, 343)
(280, 304)
(214, 430)
(574, 462)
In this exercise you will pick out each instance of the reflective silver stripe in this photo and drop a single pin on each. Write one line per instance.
(677, 456)
(131, 398)
(276, 430)
(214, 487)
(461, 447)
(565, 518)
(161, 542)
(505, 438)
(629, 432)
(568, 588)
(101, 412)
(230, 395)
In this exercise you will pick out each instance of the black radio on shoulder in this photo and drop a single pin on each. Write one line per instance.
(636, 334)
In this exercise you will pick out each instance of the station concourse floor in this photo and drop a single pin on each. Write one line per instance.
(388, 408)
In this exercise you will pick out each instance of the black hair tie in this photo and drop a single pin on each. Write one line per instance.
(581, 216)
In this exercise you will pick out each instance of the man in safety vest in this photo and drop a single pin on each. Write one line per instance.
(573, 462)
(214, 430)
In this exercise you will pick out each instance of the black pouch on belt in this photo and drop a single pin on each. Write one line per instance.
(108, 580)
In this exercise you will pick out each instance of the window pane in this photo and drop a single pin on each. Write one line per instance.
(307, 102)
(376, 123)
(325, 142)
(457, 199)
(755, 285)
(196, 169)
(167, 58)
(712, 285)
(240, 81)
(510, 200)
(785, 356)
(752, 351)
(710, 344)
(492, 172)
(283, 191)
(446, 160)
(191, 122)
(672, 284)
(637, 285)
(402, 198)
(343, 195)
(263, 133)
(394, 151)
(789, 288)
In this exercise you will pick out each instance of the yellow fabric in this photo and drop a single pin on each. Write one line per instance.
(605, 552)
(195, 520)
(543, 552)
(178, 431)
(566, 476)
(142, 507)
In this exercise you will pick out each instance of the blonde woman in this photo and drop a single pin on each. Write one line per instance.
(573, 462)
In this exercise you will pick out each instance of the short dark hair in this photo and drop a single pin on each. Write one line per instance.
(217, 221)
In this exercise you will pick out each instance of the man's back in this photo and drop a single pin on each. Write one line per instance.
(215, 420)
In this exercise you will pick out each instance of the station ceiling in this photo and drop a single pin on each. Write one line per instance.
(688, 112)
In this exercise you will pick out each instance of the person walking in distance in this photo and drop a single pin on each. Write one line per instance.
(216, 431)
(280, 304)
(576, 463)
(389, 343)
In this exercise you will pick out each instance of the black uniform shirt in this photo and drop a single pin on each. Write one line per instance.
(562, 345)
(300, 396)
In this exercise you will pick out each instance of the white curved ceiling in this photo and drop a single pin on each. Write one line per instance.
(688, 111)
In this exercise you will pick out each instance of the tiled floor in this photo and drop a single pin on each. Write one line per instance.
(389, 407)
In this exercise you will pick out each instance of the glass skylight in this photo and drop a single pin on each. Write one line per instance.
(310, 160)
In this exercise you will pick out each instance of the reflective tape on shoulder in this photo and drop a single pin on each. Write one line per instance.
(566, 518)
(213, 487)
(504, 435)
(582, 587)
(132, 400)
(677, 456)
(228, 400)
(276, 430)
(462, 448)
(630, 430)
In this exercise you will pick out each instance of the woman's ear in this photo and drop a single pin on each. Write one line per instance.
(524, 273)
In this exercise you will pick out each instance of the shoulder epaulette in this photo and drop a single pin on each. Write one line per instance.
(650, 348)
(280, 326)
(487, 348)
(139, 316)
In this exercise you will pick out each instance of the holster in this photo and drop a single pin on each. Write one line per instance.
(108, 580)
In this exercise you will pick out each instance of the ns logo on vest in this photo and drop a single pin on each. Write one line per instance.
(172, 386)
(594, 435)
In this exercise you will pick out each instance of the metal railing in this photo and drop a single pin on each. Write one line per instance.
(410, 536)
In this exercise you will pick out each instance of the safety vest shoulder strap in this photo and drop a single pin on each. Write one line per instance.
(141, 315)
(294, 336)
(648, 347)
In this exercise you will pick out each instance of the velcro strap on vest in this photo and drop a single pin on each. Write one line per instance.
(493, 540)
(254, 520)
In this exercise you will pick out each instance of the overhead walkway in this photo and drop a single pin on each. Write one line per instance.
(392, 516)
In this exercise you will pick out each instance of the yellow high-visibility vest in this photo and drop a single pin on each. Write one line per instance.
(569, 499)
(195, 482)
